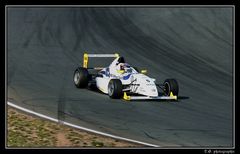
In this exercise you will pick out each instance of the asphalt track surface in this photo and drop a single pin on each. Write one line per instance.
(192, 45)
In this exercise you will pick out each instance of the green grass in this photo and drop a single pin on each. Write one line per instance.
(27, 131)
(97, 144)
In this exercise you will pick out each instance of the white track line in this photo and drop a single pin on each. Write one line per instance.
(79, 127)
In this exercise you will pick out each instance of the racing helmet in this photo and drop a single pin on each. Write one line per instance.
(123, 66)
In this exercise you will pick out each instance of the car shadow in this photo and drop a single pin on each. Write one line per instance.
(183, 97)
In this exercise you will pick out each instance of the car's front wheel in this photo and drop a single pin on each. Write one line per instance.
(115, 89)
(171, 85)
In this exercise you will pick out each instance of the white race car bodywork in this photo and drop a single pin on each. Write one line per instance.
(135, 83)
(132, 81)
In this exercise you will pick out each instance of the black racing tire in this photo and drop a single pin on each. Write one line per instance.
(81, 77)
(115, 89)
(171, 85)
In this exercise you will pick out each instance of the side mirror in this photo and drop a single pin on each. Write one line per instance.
(144, 71)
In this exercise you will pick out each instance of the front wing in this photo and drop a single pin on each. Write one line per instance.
(171, 97)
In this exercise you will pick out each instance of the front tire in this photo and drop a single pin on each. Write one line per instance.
(171, 85)
(115, 89)
(81, 77)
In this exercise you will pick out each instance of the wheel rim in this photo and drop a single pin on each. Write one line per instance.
(76, 77)
(110, 89)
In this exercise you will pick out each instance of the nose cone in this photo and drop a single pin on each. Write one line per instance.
(147, 87)
(151, 91)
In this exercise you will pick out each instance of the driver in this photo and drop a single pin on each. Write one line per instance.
(122, 67)
(118, 66)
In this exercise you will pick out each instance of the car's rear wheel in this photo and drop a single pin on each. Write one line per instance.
(115, 89)
(81, 77)
(171, 85)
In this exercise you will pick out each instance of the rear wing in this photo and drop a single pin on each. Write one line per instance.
(86, 56)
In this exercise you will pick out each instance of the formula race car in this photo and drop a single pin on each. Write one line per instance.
(120, 80)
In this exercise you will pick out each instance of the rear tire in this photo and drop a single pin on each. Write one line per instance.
(81, 77)
(115, 89)
(171, 85)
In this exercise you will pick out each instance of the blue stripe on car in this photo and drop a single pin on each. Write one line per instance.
(126, 77)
